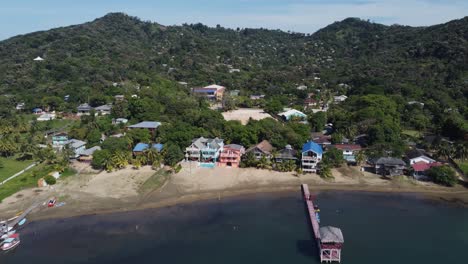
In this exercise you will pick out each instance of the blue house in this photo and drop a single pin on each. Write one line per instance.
(311, 155)
(140, 147)
(205, 150)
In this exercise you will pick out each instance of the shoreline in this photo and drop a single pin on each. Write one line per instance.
(459, 198)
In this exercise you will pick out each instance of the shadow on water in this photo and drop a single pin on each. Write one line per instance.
(307, 248)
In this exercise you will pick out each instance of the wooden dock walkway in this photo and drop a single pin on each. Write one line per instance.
(329, 239)
(311, 211)
(23, 214)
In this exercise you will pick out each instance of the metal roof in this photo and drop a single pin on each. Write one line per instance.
(146, 124)
(143, 146)
(90, 151)
(75, 143)
(330, 234)
(312, 146)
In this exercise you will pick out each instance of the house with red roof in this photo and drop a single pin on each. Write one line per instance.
(420, 168)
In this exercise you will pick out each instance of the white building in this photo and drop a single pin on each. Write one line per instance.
(340, 98)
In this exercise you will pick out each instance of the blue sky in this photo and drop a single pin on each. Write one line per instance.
(24, 16)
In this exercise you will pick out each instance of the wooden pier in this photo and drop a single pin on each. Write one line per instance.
(16, 220)
(329, 239)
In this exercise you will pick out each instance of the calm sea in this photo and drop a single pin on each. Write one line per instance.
(264, 228)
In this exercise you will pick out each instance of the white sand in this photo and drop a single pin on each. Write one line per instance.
(244, 114)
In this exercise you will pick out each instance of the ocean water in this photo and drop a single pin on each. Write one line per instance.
(262, 228)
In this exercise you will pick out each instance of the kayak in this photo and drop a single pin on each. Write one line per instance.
(22, 222)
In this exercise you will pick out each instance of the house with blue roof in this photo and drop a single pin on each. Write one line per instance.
(141, 147)
(311, 155)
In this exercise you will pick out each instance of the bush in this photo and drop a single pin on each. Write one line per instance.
(333, 157)
(99, 158)
(442, 175)
(177, 168)
(50, 180)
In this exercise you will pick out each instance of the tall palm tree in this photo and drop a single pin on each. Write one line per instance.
(151, 154)
(325, 171)
(360, 157)
(461, 151)
(444, 150)
(264, 163)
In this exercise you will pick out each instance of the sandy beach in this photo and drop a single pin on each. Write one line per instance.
(94, 192)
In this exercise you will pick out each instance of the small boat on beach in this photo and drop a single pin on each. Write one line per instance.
(51, 202)
(11, 242)
(6, 235)
(22, 222)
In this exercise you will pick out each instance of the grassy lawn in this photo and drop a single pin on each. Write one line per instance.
(29, 179)
(12, 166)
(412, 133)
(463, 166)
(25, 180)
(155, 181)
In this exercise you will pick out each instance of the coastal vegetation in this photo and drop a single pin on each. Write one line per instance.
(443, 175)
(402, 84)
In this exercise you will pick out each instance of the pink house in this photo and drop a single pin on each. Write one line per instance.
(231, 156)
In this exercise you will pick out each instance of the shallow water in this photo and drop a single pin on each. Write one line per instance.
(263, 228)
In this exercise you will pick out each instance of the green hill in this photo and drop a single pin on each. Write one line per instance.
(119, 53)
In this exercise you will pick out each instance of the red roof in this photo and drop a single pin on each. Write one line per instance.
(347, 147)
(422, 166)
(310, 101)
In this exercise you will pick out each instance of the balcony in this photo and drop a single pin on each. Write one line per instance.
(229, 155)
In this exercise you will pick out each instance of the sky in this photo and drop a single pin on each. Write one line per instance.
(306, 16)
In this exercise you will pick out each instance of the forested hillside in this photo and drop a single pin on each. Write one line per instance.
(119, 54)
(373, 58)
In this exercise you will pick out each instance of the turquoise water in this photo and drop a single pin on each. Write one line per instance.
(264, 228)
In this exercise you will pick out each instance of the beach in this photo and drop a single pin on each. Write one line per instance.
(93, 192)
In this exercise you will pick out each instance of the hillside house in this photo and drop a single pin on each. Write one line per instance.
(256, 97)
(340, 98)
(76, 146)
(323, 140)
(311, 103)
(103, 109)
(60, 139)
(301, 87)
(141, 147)
(46, 117)
(416, 155)
(231, 155)
(293, 114)
(84, 109)
(20, 106)
(286, 154)
(263, 148)
(311, 155)
(420, 168)
(349, 151)
(388, 166)
(205, 150)
(119, 98)
(118, 121)
(151, 126)
(212, 92)
(37, 111)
